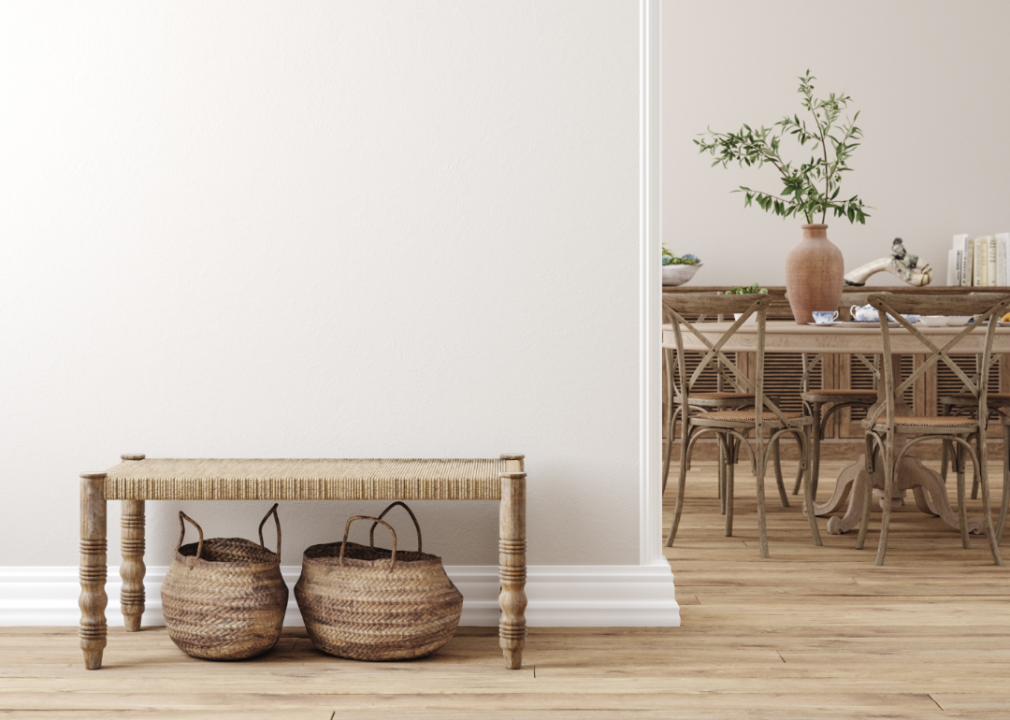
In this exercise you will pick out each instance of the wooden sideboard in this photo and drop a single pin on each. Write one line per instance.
(783, 373)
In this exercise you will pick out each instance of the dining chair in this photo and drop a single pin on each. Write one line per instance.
(731, 427)
(964, 403)
(1005, 499)
(823, 402)
(830, 400)
(728, 395)
(883, 426)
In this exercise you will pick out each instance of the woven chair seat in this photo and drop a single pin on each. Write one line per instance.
(746, 417)
(724, 399)
(721, 399)
(967, 399)
(922, 423)
(839, 395)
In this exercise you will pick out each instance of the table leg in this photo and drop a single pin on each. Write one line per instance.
(926, 484)
(512, 568)
(843, 486)
(132, 571)
(93, 569)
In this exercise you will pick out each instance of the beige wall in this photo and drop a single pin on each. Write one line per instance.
(317, 229)
(930, 78)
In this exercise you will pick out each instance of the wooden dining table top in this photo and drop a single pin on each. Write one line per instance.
(786, 336)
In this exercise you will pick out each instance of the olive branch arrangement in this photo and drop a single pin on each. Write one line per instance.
(801, 193)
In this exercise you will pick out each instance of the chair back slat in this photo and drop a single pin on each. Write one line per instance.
(975, 303)
(985, 306)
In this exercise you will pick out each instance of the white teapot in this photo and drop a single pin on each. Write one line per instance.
(863, 313)
(868, 313)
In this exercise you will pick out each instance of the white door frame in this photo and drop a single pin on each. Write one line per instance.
(650, 283)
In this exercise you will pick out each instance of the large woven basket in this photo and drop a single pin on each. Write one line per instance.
(224, 598)
(368, 603)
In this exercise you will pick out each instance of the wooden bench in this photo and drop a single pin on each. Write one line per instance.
(138, 479)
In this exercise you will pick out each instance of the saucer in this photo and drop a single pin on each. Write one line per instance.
(856, 323)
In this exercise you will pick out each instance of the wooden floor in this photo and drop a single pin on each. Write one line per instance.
(810, 633)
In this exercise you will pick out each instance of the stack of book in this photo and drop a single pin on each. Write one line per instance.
(982, 262)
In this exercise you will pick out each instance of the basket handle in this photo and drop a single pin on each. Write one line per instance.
(347, 529)
(371, 533)
(277, 520)
(182, 517)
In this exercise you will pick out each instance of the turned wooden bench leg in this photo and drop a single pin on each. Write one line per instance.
(93, 569)
(512, 568)
(131, 598)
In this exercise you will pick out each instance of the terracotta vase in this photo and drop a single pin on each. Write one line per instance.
(815, 273)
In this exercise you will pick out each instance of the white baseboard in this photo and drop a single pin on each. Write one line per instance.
(559, 596)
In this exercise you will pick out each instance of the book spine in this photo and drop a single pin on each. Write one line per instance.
(1000, 264)
(991, 277)
(961, 245)
(977, 279)
(984, 260)
(952, 268)
(1003, 242)
(968, 264)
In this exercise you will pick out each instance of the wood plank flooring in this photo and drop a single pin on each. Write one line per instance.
(809, 633)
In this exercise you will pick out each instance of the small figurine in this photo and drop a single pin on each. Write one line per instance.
(901, 264)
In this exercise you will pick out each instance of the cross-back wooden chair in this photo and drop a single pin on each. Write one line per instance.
(1005, 499)
(830, 400)
(815, 400)
(732, 425)
(882, 427)
(728, 395)
(964, 403)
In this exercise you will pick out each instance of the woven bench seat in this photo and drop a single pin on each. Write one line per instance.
(277, 479)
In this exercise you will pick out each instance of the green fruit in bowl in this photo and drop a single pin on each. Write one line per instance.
(687, 259)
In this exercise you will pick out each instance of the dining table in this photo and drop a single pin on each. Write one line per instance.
(863, 338)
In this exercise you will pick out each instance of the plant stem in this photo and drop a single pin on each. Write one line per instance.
(827, 179)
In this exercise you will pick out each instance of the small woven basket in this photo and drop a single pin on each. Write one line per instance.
(368, 603)
(224, 598)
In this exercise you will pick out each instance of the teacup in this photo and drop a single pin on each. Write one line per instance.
(825, 317)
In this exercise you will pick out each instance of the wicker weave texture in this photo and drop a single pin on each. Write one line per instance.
(844, 393)
(225, 600)
(929, 421)
(745, 416)
(274, 479)
(370, 605)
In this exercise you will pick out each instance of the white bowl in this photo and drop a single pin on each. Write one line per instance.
(959, 319)
(678, 274)
(933, 320)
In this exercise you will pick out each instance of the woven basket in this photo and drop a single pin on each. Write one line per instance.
(224, 598)
(367, 603)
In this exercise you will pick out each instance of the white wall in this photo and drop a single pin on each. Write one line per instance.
(930, 77)
(321, 229)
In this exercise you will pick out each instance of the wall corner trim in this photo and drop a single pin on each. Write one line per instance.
(559, 596)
